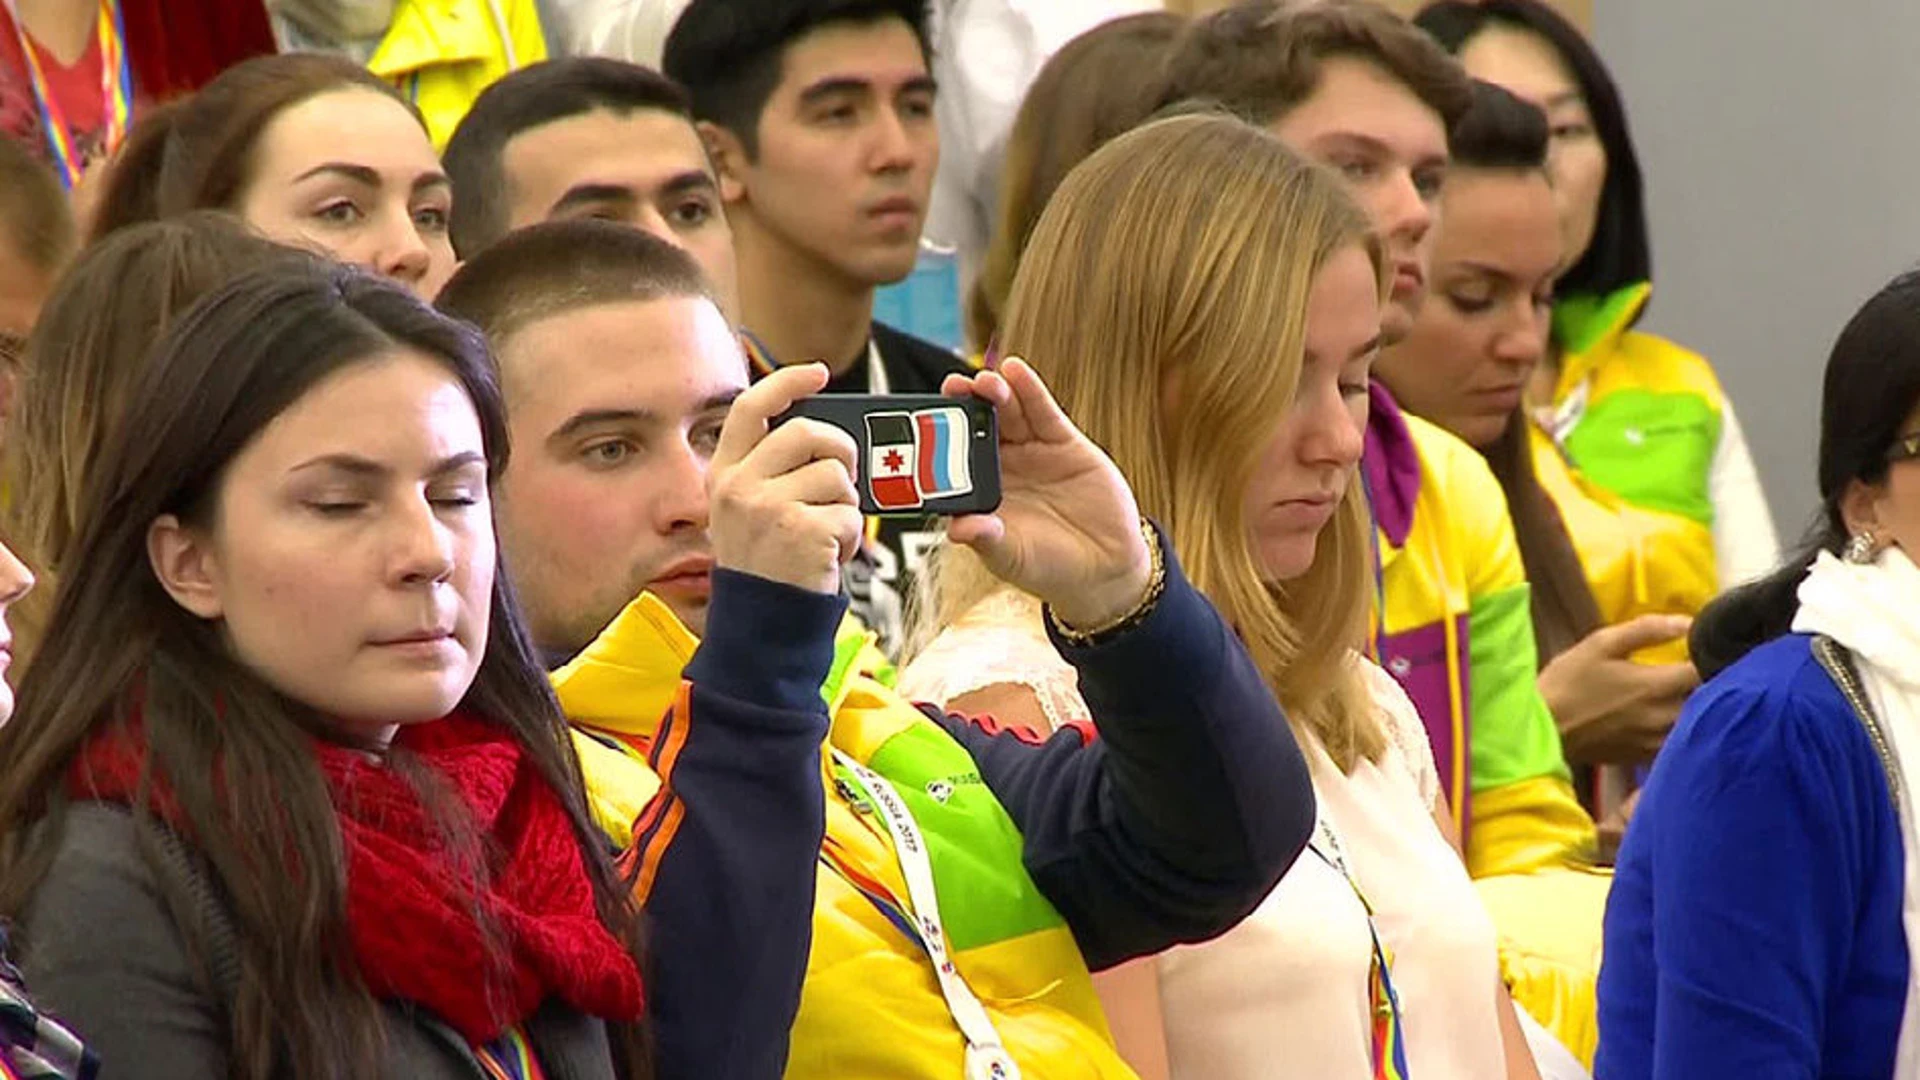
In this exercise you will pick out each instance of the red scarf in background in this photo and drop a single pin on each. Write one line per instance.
(410, 912)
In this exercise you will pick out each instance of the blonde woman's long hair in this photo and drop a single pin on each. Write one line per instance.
(1176, 262)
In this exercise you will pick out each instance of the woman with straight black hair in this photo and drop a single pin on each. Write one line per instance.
(1637, 414)
(1764, 915)
(287, 793)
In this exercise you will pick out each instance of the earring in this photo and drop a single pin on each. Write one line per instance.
(1862, 548)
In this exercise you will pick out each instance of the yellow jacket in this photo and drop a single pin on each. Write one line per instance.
(870, 1006)
(1637, 561)
(1647, 422)
(1453, 628)
(442, 53)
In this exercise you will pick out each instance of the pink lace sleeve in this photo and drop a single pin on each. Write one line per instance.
(1000, 641)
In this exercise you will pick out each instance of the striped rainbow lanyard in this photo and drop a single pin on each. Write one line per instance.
(116, 91)
(1387, 1045)
(509, 1057)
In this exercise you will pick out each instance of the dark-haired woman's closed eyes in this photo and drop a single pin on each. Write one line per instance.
(288, 795)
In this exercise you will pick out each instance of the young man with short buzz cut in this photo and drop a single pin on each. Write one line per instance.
(1354, 86)
(820, 116)
(968, 875)
(587, 137)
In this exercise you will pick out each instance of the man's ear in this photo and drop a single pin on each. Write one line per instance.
(730, 162)
(183, 561)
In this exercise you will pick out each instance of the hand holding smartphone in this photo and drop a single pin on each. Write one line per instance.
(1058, 521)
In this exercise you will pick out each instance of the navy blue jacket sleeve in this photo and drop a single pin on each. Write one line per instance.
(726, 853)
(1180, 818)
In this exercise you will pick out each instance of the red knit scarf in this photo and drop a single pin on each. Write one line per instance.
(412, 914)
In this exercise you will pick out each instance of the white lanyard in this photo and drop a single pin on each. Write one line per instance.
(1326, 844)
(876, 371)
(987, 1059)
(1562, 419)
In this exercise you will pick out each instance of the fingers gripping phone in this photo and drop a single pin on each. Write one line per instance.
(919, 454)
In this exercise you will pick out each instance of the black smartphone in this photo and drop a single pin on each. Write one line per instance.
(919, 453)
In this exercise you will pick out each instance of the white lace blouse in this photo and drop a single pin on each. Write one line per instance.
(1286, 991)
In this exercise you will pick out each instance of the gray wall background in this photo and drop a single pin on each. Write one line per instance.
(1781, 149)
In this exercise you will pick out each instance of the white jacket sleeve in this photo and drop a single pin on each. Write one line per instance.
(333, 22)
(1745, 545)
(631, 30)
(986, 54)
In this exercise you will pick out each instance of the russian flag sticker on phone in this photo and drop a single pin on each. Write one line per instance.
(918, 456)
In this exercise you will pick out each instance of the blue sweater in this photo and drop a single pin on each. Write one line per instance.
(1754, 926)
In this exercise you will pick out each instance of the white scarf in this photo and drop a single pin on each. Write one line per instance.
(1873, 610)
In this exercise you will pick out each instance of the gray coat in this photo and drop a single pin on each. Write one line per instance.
(103, 952)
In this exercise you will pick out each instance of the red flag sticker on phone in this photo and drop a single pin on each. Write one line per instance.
(913, 457)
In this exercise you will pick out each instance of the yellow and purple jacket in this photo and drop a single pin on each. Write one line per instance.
(1454, 628)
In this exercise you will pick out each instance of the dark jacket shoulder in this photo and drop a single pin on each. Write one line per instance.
(104, 950)
(915, 365)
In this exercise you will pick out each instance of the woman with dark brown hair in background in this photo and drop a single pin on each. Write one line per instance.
(1100, 85)
(93, 341)
(1639, 416)
(311, 150)
(288, 794)
(1608, 577)
(37, 237)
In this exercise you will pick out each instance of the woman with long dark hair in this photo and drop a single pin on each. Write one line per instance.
(288, 794)
(1608, 578)
(1764, 915)
(1637, 414)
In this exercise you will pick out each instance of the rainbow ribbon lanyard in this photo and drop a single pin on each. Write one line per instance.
(1388, 1046)
(510, 1057)
(116, 91)
(761, 362)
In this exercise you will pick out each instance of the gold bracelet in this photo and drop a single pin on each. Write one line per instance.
(1156, 585)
